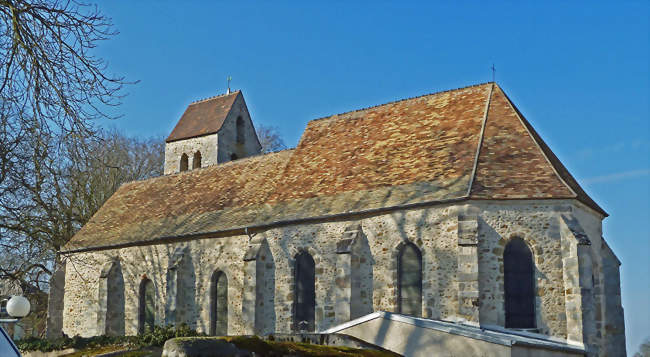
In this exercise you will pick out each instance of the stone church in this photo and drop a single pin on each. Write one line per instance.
(446, 209)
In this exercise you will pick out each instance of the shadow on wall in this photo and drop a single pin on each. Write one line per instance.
(185, 295)
(491, 277)
(207, 313)
(439, 264)
(177, 280)
(110, 304)
(361, 276)
(115, 303)
(265, 291)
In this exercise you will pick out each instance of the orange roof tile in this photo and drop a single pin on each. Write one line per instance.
(432, 138)
(411, 152)
(203, 117)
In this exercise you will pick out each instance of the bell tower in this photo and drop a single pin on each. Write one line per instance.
(211, 131)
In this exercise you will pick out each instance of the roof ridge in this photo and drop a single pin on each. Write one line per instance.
(401, 100)
(554, 162)
(214, 97)
(481, 137)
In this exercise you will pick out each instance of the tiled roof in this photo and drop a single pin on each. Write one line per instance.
(430, 139)
(175, 204)
(515, 163)
(203, 117)
(408, 152)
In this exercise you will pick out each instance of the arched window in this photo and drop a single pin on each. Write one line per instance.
(219, 304)
(196, 163)
(183, 166)
(305, 294)
(240, 130)
(147, 308)
(519, 284)
(409, 286)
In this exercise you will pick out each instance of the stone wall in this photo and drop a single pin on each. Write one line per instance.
(207, 145)
(537, 226)
(612, 328)
(356, 271)
(228, 144)
(110, 300)
(55, 303)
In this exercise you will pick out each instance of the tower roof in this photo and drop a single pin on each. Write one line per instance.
(203, 117)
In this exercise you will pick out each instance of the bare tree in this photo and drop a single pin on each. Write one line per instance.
(53, 89)
(115, 159)
(50, 82)
(63, 191)
(644, 349)
(270, 139)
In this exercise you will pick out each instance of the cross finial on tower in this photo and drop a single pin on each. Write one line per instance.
(229, 79)
(494, 70)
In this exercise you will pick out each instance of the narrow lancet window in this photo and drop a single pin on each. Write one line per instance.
(184, 160)
(240, 130)
(146, 313)
(196, 162)
(219, 304)
(519, 284)
(305, 296)
(409, 265)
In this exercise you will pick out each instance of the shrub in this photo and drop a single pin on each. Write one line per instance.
(159, 335)
(157, 338)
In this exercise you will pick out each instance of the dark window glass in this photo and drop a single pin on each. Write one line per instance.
(410, 280)
(519, 285)
(184, 160)
(219, 304)
(305, 278)
(147, 313)
(196, 163)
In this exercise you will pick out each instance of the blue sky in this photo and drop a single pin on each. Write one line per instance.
(579, 72)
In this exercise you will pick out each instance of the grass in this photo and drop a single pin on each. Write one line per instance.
(150, 343)
(249, 343)
(276, 348)
(148, 352)
(94, 351)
